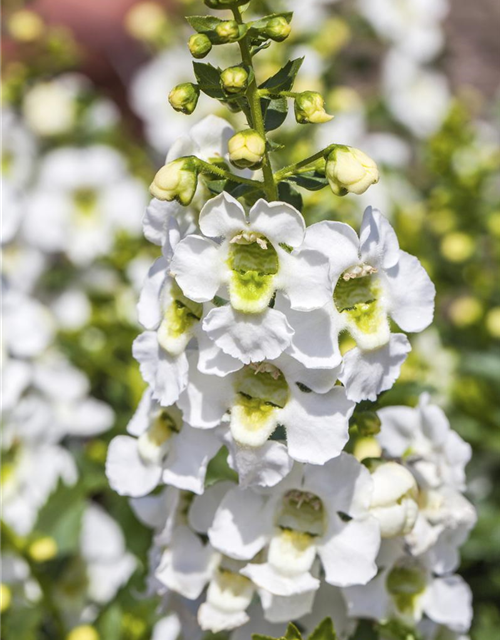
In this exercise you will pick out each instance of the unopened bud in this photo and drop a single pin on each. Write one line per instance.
(184, 97)
(177, 180)
(350, 170)
(234, 79)
(310, 108)
(278, 29)
(199, 45)
(368, 423)
(246, 149)
(227, 31)
(394, 499)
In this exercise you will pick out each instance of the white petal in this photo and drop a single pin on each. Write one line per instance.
(315, 341)
(348, 551)
(168, 628)
(101, 538)
(284, 609)
(265, 577)
(448, 601)
(222, 217)
(262, 467)
(369, 601)
(317, 425)
(365, 374)
(149, 510)
(212, 360)
(187, 564)
(205, 399)
(167, 375)
(248, 337)
(411, 294)
(126, 472)
(197, 268)
(242, 525)
(379, 246)
(399, 427)
(305, 279)
(337, 241)
(188, 459)
(211, 135)
(140, 420)
(278, 221)
(328, 602)
(319, 380)
(212, 619)
(90, 418)
(204, 507)
(149, 307)
(16, 375)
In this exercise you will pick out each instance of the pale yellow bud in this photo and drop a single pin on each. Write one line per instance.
(83, 632)
(25, 26)
(145, 21)
(465, 311)
(246, 149)
(227, 31)
(310, 108)
(5, 597)
(199, 45)
(278, 29)
(493, 322)
(43, 549)
(457, 246)
(177, 180)
(350, 170)
(234, 79)
(184, 97)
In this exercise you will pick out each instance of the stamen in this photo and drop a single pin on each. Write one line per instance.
(359, 271)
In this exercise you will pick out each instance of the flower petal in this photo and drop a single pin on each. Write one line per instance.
(203, 508)
(126, 472)
(369, 601)
(278, 221)
(215, 620)
(211, 135)
(212, 360)
(284, 609)
(248, 337)
(378, 242)
(318, 380)
(337, 241)
(304, 277)
(448, 601)
(411, 294)
(365, 374)
(140, 420)
(197, 268)
(399, 426)
(222, 217)
(317, 425)
(266, 577)
(148, 307)
(262, 467)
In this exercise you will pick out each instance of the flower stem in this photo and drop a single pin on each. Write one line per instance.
(292, 168)
(206, 167)
(12, 540)
(253, 96)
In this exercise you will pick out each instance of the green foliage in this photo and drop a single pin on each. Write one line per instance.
(324, 631)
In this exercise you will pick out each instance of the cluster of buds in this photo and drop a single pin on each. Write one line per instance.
(176, 180)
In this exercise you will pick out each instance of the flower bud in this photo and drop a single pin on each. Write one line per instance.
(394, 499)
(278, 29)
(246, 149)
(350, 170)
(177, 180)
(199, 45)
(227, 31)
(234, 79)
(184, 97)
(224, 4)
(310, 108)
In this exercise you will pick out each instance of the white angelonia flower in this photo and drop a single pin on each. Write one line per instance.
(242, 258)
(373, 282)
(164, 449)
(148, 97)
(412, 25)
(172, 320)
(18, 151)
(82, 198)
(422, 437)
(406, 589)
(315, 511)
(261, 396)
(394, 499)
(50, 108)
(417, 97)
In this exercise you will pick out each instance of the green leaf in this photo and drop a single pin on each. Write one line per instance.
(275, 112)
(208, 78)
(284, 79)
(21, 623)
(292, 633)
(324, 631)
(311, 180)
(204, 24)
(288, 193)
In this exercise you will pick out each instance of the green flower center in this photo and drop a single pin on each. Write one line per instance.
(179, 320)
(85, 201)
(302, 512)
(406, 584)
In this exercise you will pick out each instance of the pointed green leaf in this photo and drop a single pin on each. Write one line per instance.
(288, 193)
(275, 112)
(284, 79)
(208, 78)
(311, 180)
(324, 631)
(292, 633)
(204, 24)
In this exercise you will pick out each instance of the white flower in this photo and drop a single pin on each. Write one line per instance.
(417, 97)
(261, 396)
(423, 438)
(50, 108)
(406, 589)
(82, 198)
(394, 499)
(242, 258)
(314, 511)
(373, 281)
(164, 449)
(18, 151)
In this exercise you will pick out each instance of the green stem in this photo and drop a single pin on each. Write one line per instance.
(292, 168)
(12, 540)
(253, 96)
(267, 93)
(206, 167)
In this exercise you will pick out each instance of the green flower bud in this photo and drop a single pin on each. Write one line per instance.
(227, 31)
(310, 108)
(184, 97)
(278, 29)
(234, 79)
(224, 4)
(349, 170)
(246, 149)
(199, 45)
(177, 180)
